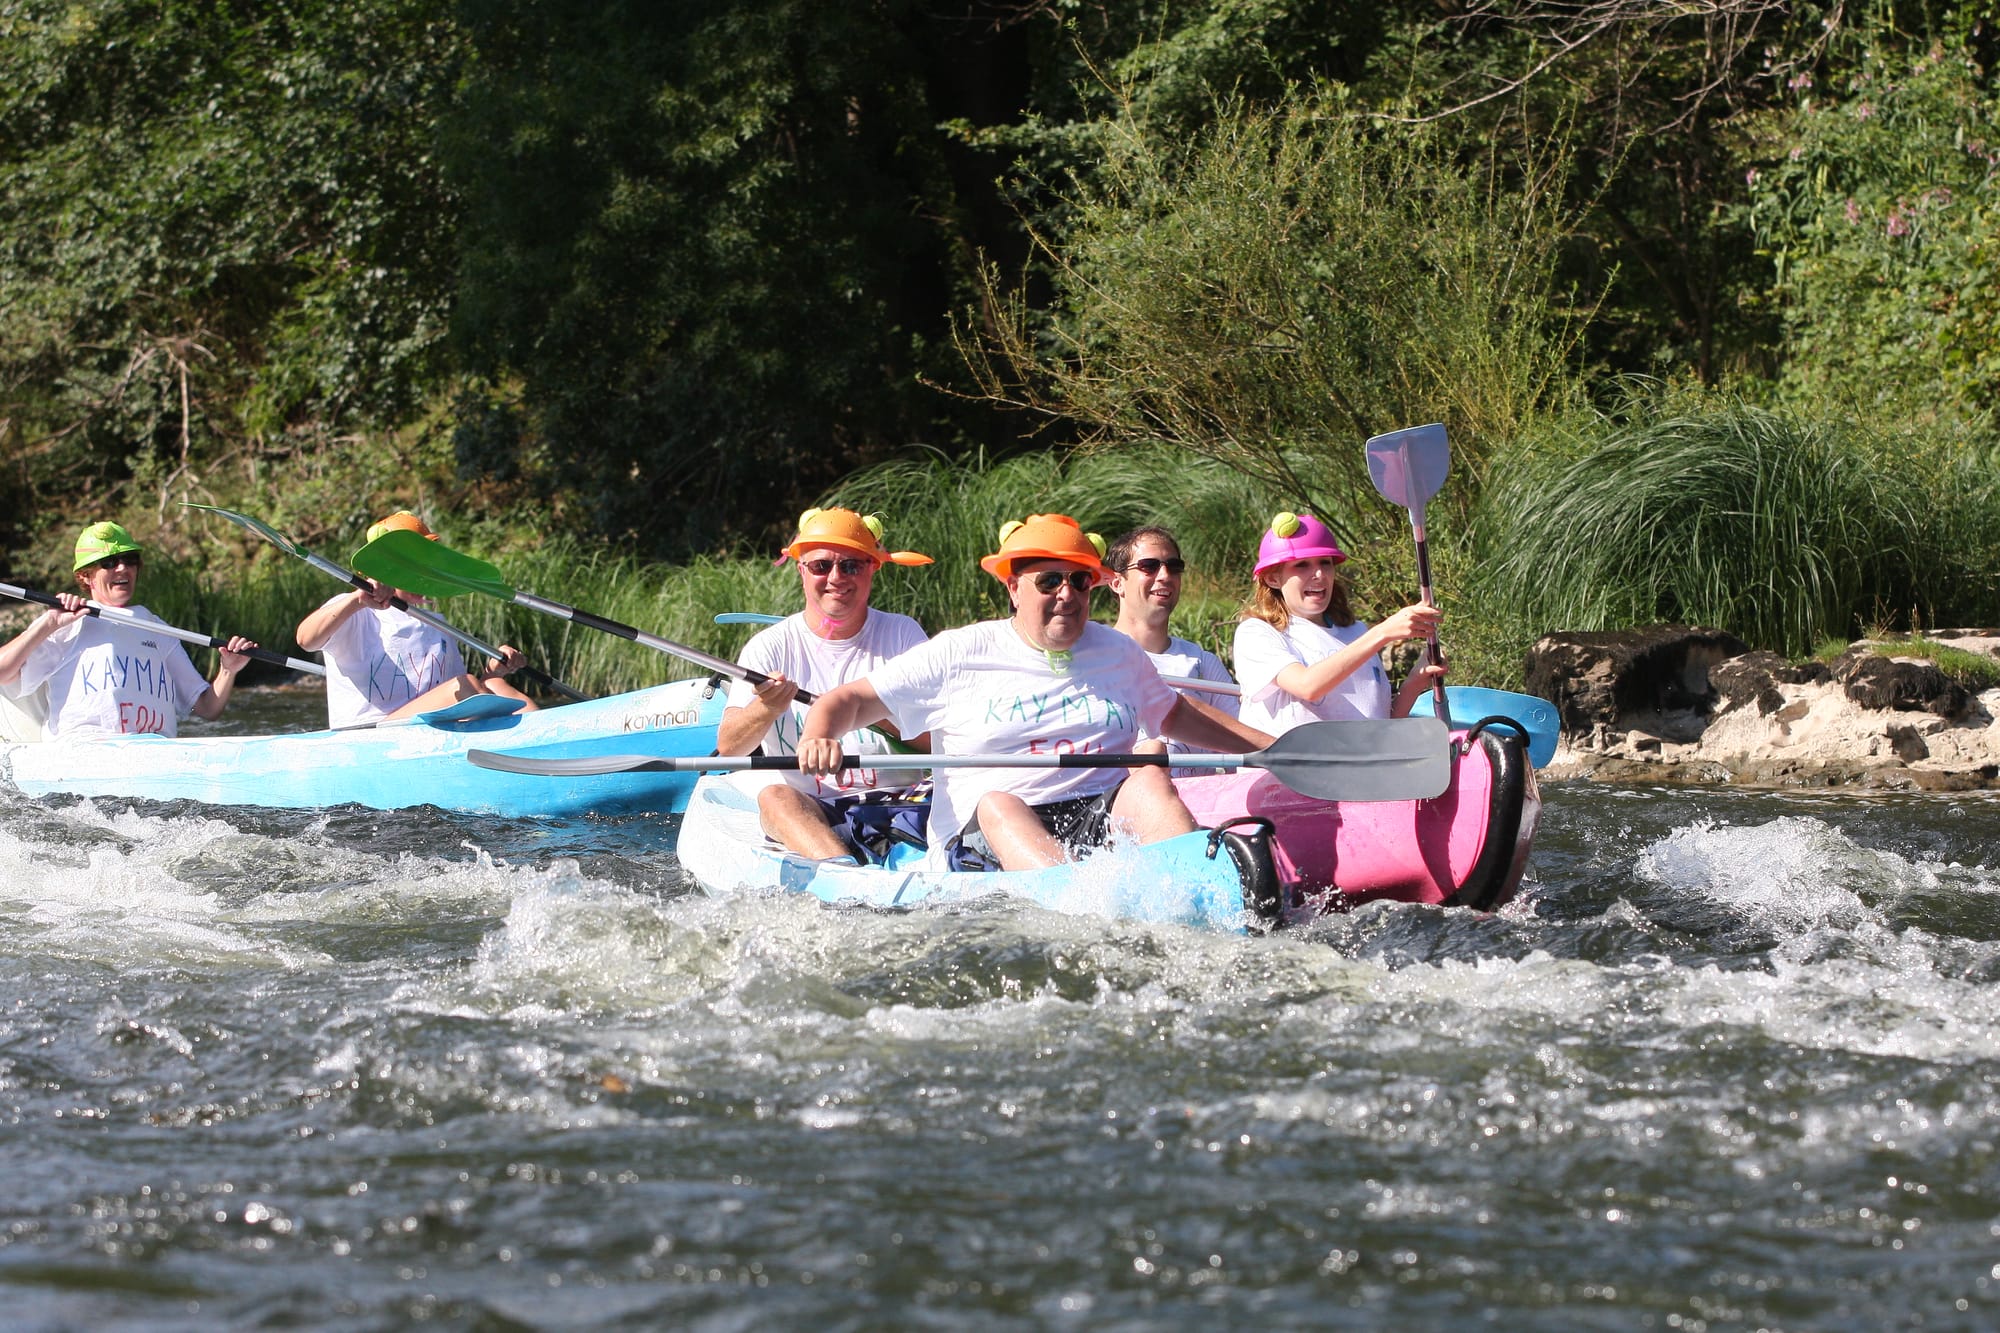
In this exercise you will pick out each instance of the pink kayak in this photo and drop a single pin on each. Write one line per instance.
(1466, 848)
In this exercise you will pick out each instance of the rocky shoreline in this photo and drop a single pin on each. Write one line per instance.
(1677, 703)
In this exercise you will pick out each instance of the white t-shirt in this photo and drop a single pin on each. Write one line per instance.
(986, 690)
(1262, 652)
(790, 649)
(377, 661)
(112, 678)
(1191, 661)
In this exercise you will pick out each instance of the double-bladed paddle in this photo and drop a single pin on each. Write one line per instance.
(127, 616)
(406, 560)
(1405, 759)
(348, 576)
(1408, 467)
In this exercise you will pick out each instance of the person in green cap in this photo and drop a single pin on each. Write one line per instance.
(110, 677)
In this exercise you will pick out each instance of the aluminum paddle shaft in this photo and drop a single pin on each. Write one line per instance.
(1407, 759)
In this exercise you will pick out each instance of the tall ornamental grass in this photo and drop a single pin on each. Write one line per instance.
(1780, 530)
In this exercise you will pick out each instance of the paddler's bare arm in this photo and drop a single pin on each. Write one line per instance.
(14, 653)
(216, 697)
(1198, 724)
(317, 628)
(743, 729)
(834, 714)
(1313, 682)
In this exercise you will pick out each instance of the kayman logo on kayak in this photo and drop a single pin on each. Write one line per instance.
(685, 717)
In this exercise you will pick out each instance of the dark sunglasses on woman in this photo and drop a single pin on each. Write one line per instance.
(850, 568)
(1049, 580)
(1152, 565)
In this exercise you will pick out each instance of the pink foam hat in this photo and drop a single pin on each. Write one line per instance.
(1295, 537)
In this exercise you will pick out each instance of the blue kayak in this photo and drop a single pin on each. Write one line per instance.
(420, 761)
(1197, 879)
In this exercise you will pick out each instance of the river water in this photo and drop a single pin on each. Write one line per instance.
(1730, 1061)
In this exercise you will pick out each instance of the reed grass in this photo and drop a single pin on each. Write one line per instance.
(1780, 530)
(951, 511)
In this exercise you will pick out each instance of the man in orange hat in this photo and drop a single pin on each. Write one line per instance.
(383, 664)
(835, 639)
(1046, 680)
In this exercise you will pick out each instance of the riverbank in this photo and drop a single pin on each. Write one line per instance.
(1691, 705)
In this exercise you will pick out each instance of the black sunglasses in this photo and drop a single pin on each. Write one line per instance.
(127, 558)
(1049, 580)
(850, 568)
(1152, 565)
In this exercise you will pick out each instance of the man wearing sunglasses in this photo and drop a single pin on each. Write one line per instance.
(836, 638)
(1146, 569)
(110, 677)
(1044, 680)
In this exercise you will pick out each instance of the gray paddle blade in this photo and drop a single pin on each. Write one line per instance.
(258, 526)
(1401, 759)
(1409, 466)
(586, 765)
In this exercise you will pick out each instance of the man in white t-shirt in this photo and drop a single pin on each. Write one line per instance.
(112, 677)
(1044, 681)
(1146, 568)
(383, 663)
(835, 639)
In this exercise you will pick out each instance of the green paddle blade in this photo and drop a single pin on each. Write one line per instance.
(403, 559)
(1409, 466)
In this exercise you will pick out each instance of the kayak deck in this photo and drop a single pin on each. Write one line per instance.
(402, 764)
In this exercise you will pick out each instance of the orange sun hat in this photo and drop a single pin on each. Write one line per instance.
(847, 531)
(1045, 537)
(400, 521)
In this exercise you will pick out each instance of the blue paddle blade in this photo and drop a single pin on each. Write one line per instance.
(1408, 466)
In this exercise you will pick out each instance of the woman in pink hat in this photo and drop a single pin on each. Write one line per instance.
(1301, 655)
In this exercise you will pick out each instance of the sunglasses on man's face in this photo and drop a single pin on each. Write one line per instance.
(852, 568)
(1049, 580)
(1152, 565)
(130, 559)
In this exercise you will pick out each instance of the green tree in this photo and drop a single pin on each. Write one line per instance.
(222, 235)
(1878, 205)
(707, 249)
(1280, 287)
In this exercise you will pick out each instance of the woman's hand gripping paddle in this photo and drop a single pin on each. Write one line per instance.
(1408, 467)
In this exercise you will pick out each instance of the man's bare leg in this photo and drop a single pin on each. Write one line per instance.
(1015, 835)
(796, 820)
(1148, 808)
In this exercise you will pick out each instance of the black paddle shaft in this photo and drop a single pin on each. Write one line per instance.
(719, 665)
(186, 636)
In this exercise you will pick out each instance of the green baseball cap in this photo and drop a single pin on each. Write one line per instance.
(101, 541)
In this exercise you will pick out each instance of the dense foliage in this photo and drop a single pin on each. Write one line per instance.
(648, 278)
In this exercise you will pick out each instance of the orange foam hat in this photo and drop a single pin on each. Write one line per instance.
(848, 531)
(1045, 537)
(400, 521)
